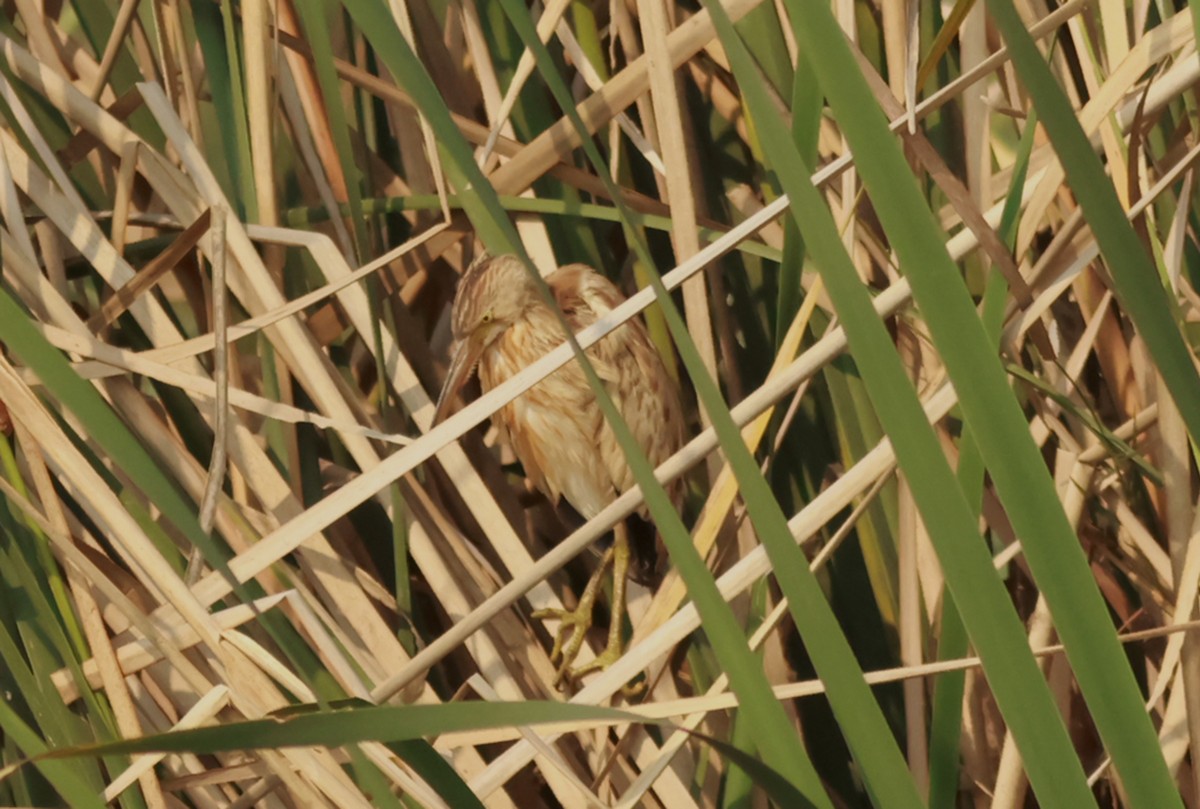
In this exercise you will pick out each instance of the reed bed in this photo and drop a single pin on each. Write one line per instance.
(926, 272)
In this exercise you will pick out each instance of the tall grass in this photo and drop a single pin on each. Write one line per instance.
(926, 273)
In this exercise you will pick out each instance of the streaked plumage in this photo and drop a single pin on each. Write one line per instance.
(556, 429)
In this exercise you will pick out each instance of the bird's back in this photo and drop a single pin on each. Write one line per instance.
(631, 367)
(557, 429)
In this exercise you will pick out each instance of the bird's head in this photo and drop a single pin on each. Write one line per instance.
(493, 294)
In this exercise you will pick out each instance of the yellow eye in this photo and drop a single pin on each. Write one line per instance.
(487, 317)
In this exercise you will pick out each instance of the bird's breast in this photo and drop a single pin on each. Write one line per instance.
(553, 428)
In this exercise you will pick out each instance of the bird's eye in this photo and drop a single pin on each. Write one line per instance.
(487, 318)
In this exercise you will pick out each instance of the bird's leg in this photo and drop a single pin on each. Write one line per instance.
(574, 624)
(612, 651)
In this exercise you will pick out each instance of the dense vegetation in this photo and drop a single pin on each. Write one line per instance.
(935, 263)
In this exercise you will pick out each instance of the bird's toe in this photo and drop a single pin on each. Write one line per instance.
(568, 638)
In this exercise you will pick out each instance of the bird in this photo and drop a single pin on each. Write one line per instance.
(501, 323)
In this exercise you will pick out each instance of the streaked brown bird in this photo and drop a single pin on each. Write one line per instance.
(501, 324)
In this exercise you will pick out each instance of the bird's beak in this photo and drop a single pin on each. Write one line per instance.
(462, 365)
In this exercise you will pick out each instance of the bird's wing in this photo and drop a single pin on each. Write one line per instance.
(631, 367)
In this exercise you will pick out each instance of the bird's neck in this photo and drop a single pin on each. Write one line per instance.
(529, 338)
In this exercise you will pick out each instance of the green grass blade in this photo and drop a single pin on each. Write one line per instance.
(988, 613)
(429, 764)
(945, 726)
(385, 723)
(858, 713)
(102, 424)
(1017, 468)
(215, 33)
(477, 196)
(62, 775)
(1136, 280)
(760, 775)
(496, 231)
(314, 16)
(807, 107)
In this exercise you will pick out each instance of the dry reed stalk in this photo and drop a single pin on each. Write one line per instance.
(190, 653)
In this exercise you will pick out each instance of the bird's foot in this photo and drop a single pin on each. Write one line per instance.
(574, 625)
(568, 640)
(611, 654)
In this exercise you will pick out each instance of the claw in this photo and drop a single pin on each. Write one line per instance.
(574, 624)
